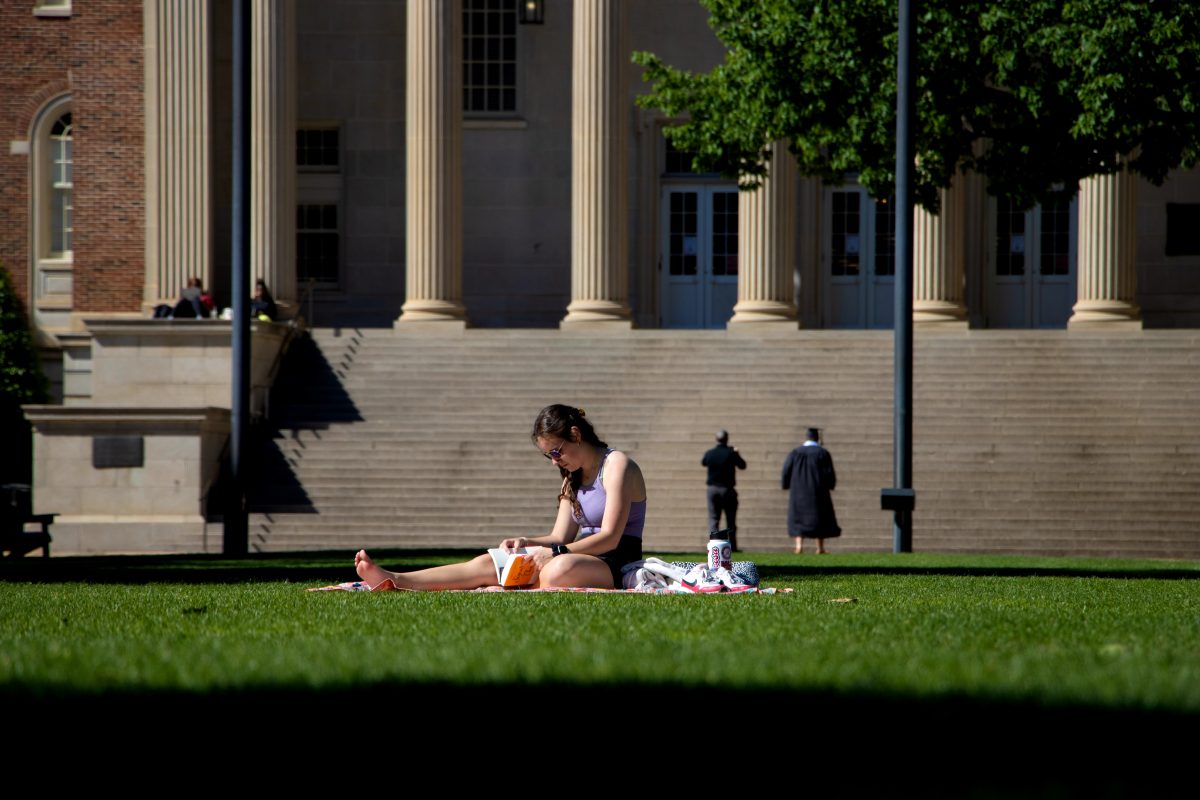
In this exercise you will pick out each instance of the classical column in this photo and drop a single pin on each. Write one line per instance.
(599, 122)
(938, 261)
(179, 230)
(273, 147)
(433, 163)
(767, 246)
(1107, 242)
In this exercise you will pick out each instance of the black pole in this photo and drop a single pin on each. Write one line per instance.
(903, 363)
(236, 522)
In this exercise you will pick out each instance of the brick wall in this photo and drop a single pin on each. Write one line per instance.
(96, 54)
(34, 69)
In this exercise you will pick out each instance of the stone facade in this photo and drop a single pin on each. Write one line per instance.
(341, 66)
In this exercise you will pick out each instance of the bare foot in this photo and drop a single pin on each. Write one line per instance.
(371, 573)
(799, 548)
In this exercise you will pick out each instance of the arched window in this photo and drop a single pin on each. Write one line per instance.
(53, 210)
(61, 166)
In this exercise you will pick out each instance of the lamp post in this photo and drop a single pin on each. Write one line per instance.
(901, 499)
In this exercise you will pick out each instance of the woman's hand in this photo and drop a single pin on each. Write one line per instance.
(512, 545)
(541, 557)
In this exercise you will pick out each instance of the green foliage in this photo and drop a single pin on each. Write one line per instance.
(1033, 94)
(21, 381)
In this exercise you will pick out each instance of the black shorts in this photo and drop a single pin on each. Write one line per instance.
(628, 550)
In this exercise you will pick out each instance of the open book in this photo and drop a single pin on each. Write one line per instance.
(512, 569)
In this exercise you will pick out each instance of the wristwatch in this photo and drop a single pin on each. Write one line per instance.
(559, 549)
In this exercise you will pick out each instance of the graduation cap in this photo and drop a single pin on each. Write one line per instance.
(813, 434)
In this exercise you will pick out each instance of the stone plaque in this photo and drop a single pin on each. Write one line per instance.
(117, 451)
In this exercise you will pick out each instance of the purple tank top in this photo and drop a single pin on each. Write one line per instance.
(592, 500)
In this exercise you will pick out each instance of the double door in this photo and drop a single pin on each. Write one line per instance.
(1032, 265)
(859, 264)
(698, 256)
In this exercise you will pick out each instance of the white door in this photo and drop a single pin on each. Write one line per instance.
(698, 256)
(1032, 265)
(859, 266)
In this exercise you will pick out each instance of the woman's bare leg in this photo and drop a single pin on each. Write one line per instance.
(820, 547)
(576, 570)
(479, 571)
(799, 545)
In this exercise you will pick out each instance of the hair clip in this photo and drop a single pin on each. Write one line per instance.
(582, 413)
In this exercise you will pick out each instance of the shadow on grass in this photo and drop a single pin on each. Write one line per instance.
(930, 739)
(334, 566)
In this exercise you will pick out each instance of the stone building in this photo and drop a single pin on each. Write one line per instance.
(432, 165)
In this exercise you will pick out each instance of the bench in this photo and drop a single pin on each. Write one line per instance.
(16, 517)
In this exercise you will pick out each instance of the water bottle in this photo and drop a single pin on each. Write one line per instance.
(720, 551)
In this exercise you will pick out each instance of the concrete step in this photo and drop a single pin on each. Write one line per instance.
(1074, 441)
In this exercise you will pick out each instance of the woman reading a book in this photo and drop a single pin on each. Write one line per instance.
(601, 512)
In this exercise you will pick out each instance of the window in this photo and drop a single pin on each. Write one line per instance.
(846, 242)
(1183, 229)
(317, 243)
(490, 56)
(318, 150)
(678, 162)
(61, 187)
(52, 195)
(318, 204)
(684, 246)
(1010, 238)
(724, 236)
(1055, 257)
(885, 237)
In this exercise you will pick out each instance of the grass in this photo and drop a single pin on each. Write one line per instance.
(981, 641)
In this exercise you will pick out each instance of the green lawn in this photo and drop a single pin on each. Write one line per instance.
(1103, 633)
(1036, 641)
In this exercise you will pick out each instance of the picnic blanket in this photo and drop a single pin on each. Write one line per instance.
(651, 576)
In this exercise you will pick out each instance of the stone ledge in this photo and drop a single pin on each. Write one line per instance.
(147, 421)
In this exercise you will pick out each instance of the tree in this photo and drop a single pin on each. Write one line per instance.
(21, 381)
(1034, 94)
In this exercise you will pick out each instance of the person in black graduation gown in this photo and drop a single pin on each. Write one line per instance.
(808, 474)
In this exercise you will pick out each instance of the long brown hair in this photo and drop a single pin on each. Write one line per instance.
(556, 421)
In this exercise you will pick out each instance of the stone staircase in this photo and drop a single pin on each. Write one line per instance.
(1037, 442)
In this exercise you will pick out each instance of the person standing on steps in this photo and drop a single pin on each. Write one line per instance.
(809, 476)
(723, 462)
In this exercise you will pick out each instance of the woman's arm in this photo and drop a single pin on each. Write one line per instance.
(564, 532)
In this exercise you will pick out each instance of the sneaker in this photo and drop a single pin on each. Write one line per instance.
(731, 582)
(700, 580)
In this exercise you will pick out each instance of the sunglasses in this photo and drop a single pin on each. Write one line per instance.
(556, 453)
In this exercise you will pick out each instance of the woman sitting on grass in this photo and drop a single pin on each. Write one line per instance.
(601, 511)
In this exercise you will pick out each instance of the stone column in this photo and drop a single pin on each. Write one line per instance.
(938, 261)
(179, 229)
(599, 184)
(1107, 242)
(273, 145)
(767, 246)
(433, 163)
